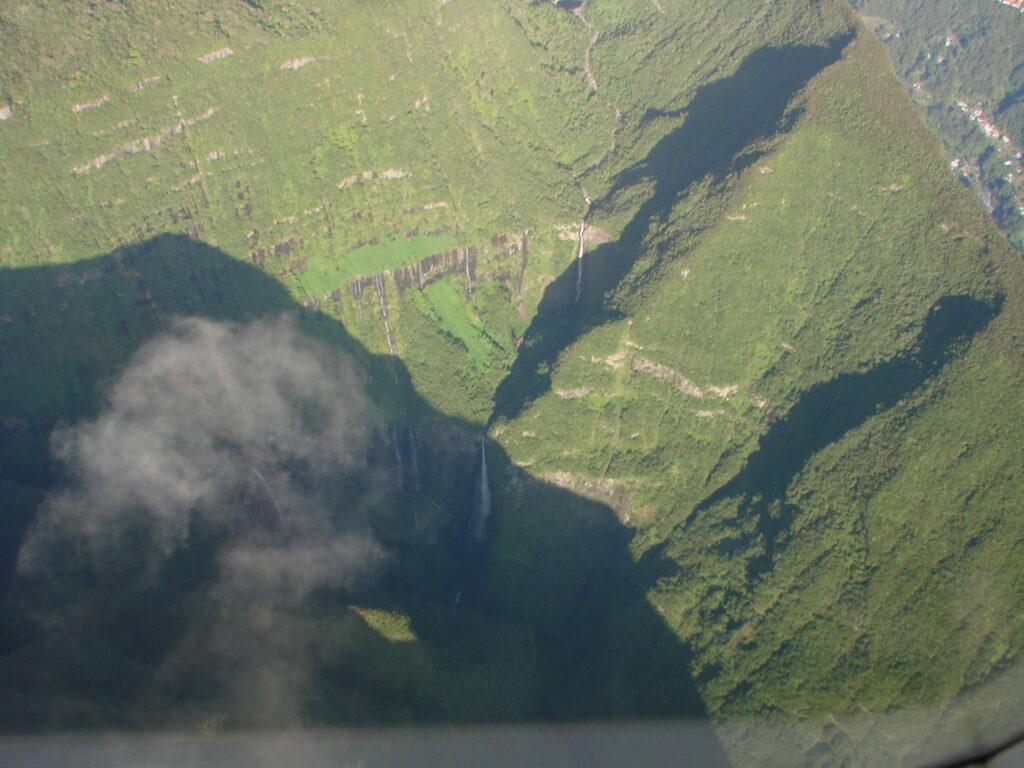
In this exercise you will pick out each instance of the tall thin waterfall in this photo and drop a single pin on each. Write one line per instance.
(414, 464)
(378, 282)
(483, 510)
(270, 493)
(399, 464)
(357, 290)
(579, 261)
(583, 234)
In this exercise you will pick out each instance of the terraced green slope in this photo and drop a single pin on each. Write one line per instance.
(751, 349)
(324, 132)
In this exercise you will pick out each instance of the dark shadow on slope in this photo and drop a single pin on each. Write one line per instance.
(557, 623)
(66, 332)
(724, 122)
(829, 410)
(557, 630)
(561, 564)
(1010, 100)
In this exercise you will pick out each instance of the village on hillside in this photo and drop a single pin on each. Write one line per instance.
(1018, 4)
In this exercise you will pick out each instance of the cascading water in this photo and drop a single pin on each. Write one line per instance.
(579, 258)
(378, 282)
(577, 10)
(483, 510)
(270, 493)
(414, 464)
(399, 464)
(357, 290)
(469, 279)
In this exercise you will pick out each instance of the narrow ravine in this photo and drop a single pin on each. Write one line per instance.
(595, 36)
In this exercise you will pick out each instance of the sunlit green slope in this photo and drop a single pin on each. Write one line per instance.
(331, 144)
(325, 144)
(804, 396)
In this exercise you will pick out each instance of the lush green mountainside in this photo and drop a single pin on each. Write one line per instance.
(964, 63)
(436, 130)
(771, 414)
(746, 351)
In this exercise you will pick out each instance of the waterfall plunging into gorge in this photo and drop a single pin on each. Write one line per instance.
(483, 508)
(577, 9)
(414, 463)
(399, 464)
(579, 255)
(270, 493)
(378, 282)
(407, 463)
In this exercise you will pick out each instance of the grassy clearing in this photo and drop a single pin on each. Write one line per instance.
(323, 274)
(451, 311)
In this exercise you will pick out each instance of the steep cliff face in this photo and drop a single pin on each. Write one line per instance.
(743, 348)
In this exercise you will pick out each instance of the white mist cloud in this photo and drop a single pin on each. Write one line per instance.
(254, 434)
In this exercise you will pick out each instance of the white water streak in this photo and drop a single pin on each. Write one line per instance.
(483, 511)
(378, 282)
(270, 493)
(579, 255)
(414, 463)
(399, 464)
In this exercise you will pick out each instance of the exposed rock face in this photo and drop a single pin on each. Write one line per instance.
(461, 261)
(434, 267)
